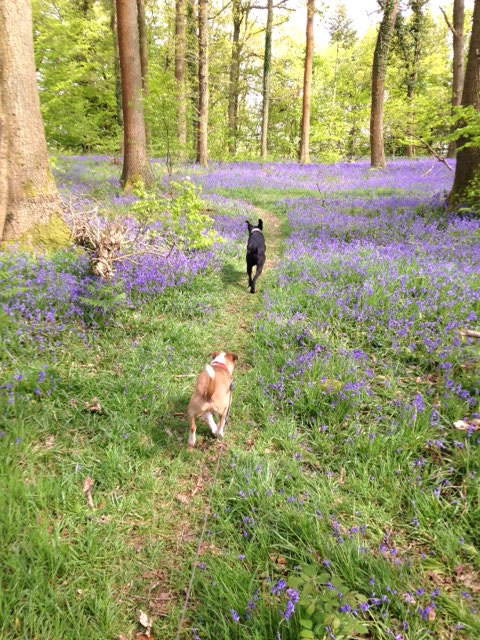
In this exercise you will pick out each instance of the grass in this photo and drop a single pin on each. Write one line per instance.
(337, 484)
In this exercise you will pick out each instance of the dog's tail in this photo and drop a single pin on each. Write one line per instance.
(211, 385)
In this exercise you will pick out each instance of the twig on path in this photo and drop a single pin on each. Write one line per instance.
(469, 333)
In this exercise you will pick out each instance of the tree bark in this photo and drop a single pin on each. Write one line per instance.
(410, 123)
(379, 68)
(458, 71)
(142, 35)
(267, 64)
(136, 168)
(234, 78)
(202, 151)
(192, 65)
(180, 75)
(307, 87)
(116, 64)
(467, 170)
(28, 195)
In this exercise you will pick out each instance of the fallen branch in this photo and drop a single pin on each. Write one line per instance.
(469, 333)
(429, 147)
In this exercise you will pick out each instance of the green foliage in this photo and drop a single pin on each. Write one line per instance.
(74, 57)
(467, 123)
(182, 217)
(320, 598)
(102, 301)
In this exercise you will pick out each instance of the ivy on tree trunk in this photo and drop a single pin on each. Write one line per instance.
(379, 70)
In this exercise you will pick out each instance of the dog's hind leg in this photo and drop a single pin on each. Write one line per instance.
(211, 422)
(249, 273)
(193, 431)
(258, 272)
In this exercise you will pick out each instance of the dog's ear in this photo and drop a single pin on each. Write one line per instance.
(232, 356)
(250, 226)
(214, 355)
(260, 224)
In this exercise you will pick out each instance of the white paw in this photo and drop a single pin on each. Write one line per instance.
(191, 440)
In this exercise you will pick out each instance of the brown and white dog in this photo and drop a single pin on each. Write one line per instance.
(213, 394)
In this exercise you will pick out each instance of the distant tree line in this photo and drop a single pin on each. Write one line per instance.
(199, 79)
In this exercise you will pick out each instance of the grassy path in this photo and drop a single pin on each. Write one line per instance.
(231, 331)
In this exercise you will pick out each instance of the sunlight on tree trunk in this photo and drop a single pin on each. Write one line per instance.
(202, 152)
(267, 63)
(379, 69)
(29, 198)
(180, 75)
(307, 87)
(191, 57)
(467, 171)
(136, 168)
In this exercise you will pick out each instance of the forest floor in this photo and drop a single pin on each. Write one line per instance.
(347, 498)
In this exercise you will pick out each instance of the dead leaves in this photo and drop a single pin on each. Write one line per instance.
(93, 406)
(145, 621)
(87, 490)
(470, 424)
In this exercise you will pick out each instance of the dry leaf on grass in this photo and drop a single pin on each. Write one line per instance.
(87, 490)
(93, 406)
(278, 560)
(49, 442)
(143, 636)
(463, 425)
(145, 621)
(182, 499)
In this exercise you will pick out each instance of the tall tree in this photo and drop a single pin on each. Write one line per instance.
(379, 69)
(116, 62)
(28, 195)
(458, 42)
(192, 65)
(180, 74)
(304, 152)
(238, 13)
(142, 36)
(267, 65)
(467, 170)
(136, 168)
(409, 36)
(342, 35)
(202, 150)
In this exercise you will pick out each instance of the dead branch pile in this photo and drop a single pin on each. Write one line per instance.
(111, 241)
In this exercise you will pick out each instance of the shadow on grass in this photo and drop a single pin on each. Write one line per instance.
(231, 276)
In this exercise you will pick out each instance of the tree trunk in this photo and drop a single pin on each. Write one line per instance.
(28, 195)
(192, 66)
(267, 64)
(410, 123)
(202, 151)
(142, 35)
(234, 78)
(116, 64)
(136, 168)
(379, 68)
(457, 79)
(467, 171)
(307, 87)
(180, 75)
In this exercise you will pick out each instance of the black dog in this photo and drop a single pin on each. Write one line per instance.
(255, 252)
